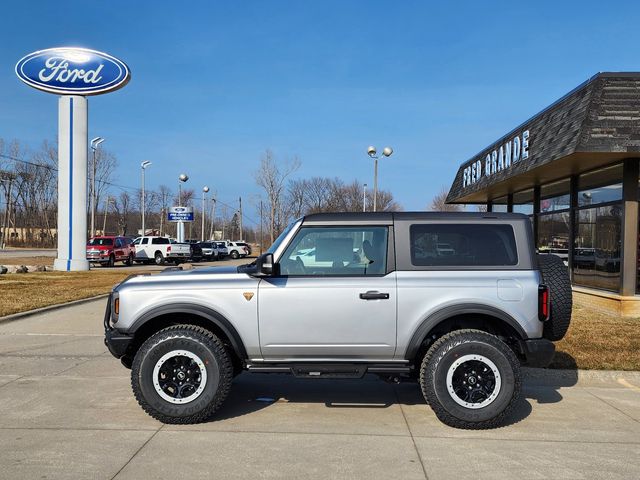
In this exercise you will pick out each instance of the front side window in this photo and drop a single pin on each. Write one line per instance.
(325, 251)
(451, 245)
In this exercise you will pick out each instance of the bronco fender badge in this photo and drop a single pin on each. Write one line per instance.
(248, 295)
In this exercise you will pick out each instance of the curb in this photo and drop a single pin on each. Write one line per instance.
(584, 378)
(29, 313)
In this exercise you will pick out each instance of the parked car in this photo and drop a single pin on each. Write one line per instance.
(209, 250)
(107, 250)
(196, 252)
(223, 251)
(246, 245)
(460, 324)
(237, 249)
(159, 250)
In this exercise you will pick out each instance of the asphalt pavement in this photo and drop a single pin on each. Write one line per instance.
(67, 411)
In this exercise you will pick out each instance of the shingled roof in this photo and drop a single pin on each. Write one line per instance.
(596, 123)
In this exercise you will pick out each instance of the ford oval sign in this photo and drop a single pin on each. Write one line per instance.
(72, 71)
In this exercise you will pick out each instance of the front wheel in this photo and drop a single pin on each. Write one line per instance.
(471, 379)
(181, 375)
(235, 254)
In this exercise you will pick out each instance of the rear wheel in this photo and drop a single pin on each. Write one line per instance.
(129, 261)
(471, 379)
(182, 374)
(158, 258)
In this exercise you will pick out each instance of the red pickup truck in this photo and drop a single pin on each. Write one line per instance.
(107, 250)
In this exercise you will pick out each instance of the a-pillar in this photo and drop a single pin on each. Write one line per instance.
(72, 184)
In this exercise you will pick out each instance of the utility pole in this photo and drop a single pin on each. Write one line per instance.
(10, 177)
(107, 201)
(205, 189)
(241, 236)
(143, 167)
(261, 240)
(213, 218)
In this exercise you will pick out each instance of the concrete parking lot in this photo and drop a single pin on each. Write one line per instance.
(67, 411)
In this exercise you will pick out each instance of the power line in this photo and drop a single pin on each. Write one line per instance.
(111, 184)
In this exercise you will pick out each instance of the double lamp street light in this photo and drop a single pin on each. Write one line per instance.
(372, 152)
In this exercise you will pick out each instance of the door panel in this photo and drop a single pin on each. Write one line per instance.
(325, 317)
(333, 298)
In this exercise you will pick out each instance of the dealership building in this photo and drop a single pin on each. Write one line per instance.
(573, 169)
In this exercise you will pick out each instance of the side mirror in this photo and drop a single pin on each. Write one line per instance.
(265, 265)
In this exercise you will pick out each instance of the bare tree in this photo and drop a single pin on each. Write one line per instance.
(164, 200)
(122, 207)
(439, 203)
(106, 165)
(272, 177)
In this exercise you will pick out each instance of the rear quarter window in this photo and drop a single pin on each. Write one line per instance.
(462, 245)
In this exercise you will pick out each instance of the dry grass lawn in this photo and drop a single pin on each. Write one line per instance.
(597, 341)
(27, 260)
(22, 292)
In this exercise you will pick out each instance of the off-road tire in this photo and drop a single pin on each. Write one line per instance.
(234, 254)
(158, 258)
(205, 345)
(556, 276)
(441, 356)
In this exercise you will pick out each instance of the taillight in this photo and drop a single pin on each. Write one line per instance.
(169, 249)
(544, 303)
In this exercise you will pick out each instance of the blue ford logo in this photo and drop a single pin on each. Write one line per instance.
(72, 71)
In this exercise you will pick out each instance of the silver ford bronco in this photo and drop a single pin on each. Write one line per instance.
(456, 301)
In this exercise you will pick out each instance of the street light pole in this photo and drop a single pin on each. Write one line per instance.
(94, 146)
(143, 167)
(205, 189)
(371, 151)
(364, 197)
(180, 225)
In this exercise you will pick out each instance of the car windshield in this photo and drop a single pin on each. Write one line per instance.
(100, 241)
(281, 237)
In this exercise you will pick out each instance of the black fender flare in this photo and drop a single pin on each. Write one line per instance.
(207, 313)
(445, 313)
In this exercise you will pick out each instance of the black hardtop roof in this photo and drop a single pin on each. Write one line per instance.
(389, 217)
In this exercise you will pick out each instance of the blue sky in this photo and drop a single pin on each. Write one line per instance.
(216, 83)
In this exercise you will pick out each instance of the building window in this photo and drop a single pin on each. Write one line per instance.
(555, 196)
(553, 234)
(499, 205)
(523, 202)
(600, 186)
(597, 247)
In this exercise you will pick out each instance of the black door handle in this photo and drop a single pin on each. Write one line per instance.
(372, 295)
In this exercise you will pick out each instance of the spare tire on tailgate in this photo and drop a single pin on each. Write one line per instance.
(555, 275)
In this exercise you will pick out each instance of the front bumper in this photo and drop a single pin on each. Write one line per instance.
(538, 352)
(116, 342)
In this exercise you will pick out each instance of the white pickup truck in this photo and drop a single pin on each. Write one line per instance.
(159, 250)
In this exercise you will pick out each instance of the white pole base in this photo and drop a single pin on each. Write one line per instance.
(63, 264)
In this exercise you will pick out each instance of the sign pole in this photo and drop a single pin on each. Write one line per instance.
(72, 184)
